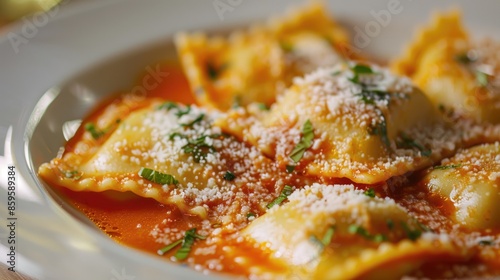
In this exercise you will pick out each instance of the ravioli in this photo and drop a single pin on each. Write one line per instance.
(470, 180)
(458, 74)
(175, 141)
(368, 125)
(257, 64)
(302, 160)
(339, 232)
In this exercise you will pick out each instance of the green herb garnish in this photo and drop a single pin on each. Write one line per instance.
(327, 238)
(444, 167)
(197, 120)
(406, 142)
(177, 134)
(380, 129)
(287, 47)
(369, 96)
(250, 215)
(390, 224)
(214, 71)
(72, 175)
(290, 168)
(168, 106)
(482, 78)
(236, 102)
(94, 131)
(157, 177)
(467, 60)
(263, 106)
(198, 148)
(486, 242)
(359, 230)
(190, 237)
(304, 143)
(285, 192)
(413, 234)
(181, 113)
(360, 69)
(169, 247)
(464, 58)
(172, 105)
(370, 192)
(229, 176)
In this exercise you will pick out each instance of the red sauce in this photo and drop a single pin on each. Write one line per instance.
(129, 219)
(125, 217)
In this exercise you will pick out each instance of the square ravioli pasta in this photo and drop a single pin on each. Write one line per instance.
(459, 74)
(301, 159)
(169, 152)
(255, 65)
(353, 121)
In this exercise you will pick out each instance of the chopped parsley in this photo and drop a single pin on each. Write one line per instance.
(197, 120)
(98, 133)
(186, 243)
(263, 106)
(169, 247)
(287, 47)
(236, 102)
(94, 131)
(177, 134)
(168, 106)
(486, 242)
(482, 78)
(327, 238)
(157, 177)
(390, 224)
(198, 148)
(285, 192)
(214, 72)
(370, 192)
(380, 129)
(445, 167)
(370, 96)
(229, 176)
(413, 234)
(407, 143)
(464, 58)
(359, 230)
(422, 226)
(304, 143)
(172, 105)
(250, 215)
(74, 174)
(336, 73)
(290, 168)
(358, 70)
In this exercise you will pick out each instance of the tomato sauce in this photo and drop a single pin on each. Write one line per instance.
(130, 220)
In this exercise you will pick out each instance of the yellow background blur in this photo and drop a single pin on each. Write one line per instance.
(12, 10)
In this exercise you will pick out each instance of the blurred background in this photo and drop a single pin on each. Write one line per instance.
(13, 10)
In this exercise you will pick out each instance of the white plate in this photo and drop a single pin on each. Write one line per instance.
(86, 50)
